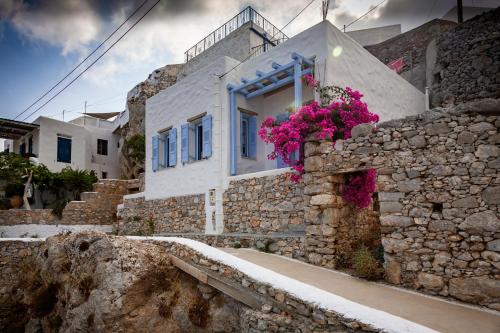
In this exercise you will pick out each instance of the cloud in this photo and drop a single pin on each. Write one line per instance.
(71, 24)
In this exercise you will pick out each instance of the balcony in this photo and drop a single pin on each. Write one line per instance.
(273, 34)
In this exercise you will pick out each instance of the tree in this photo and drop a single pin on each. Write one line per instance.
(137, 148)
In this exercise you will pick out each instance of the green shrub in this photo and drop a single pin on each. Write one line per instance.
(137, 147)
(77, 181)
(58, 207)
(366, 265)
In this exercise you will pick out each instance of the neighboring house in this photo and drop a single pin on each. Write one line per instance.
(202, 131)
(86, 143)
(376, 35)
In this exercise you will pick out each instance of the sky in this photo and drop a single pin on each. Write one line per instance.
(41, 41)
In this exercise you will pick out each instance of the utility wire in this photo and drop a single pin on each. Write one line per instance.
(281, 30)
(359, 18)
(83, 61)
(87, 68)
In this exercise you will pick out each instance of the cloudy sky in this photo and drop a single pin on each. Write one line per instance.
(41, 41)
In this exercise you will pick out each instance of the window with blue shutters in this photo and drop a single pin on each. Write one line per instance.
(248, 135)
(63, 149)
(155, 158)
(196, 139)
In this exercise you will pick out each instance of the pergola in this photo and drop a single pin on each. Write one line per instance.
(280, 76)
(13, 129)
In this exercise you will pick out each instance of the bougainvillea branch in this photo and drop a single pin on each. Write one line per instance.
(339, 110)
(359, 188)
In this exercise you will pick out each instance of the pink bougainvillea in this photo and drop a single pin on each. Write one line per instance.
(340, 110)
(359, 188)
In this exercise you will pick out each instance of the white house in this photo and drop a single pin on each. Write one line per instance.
(86, 142)
(202, 131)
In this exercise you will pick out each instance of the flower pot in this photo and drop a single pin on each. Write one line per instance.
(16, 201)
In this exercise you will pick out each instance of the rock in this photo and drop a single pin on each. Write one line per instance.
(409, 185)
(441, 170)
(437, 128)
(475, 289)
(441, 225)
(361, 130)
(494, 245)
(441, 259)
(481, 127)
(491, 195)
(491, 256)
(313, 163)
(390, 196)
(396, 221)
(468, 202)
(392, 245)
(485, 151)
(322, 200)
(390, 207)
(392, 271)
(429, 281)
(418, 141)
(465, 138)
(479, 223)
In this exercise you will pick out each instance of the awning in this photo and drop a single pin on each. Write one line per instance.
(13, 129)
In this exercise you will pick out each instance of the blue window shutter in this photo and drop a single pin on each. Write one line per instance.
(63, 150)
(172, 158)
(207, 135)
(185, 143)
(252, 137)
(155, 152)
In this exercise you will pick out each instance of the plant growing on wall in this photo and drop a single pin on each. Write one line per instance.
(332, 118)
(77, 181)
(137, 148)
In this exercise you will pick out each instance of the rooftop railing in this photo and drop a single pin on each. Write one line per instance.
(248, 14)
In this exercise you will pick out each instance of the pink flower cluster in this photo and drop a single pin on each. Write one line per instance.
(330, 122)
(359, 188)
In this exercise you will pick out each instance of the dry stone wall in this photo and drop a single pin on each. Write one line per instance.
(468, 61)
(176, 214)
(22, 216)
(264, 205)
(438, 187)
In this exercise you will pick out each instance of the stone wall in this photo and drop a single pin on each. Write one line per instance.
(468, 61)
(438, 187)
(411, 46)
(177, 214)
(22, 216)
(264, 205)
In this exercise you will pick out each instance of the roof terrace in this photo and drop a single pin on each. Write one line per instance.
(273, 35)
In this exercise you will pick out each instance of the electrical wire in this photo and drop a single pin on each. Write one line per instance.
(359, 18)
(83, 61)
(98, 58)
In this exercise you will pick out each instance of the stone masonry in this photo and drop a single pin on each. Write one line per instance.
(468, 66)
(97, 207)
(176, 214)
(438, 187)
(264, 205)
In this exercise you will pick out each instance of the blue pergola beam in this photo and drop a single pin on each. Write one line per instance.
(296, 56)
(232, 116)
(276, 85)
(272, 73)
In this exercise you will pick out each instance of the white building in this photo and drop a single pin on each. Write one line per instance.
(86, 142)
(202, 131)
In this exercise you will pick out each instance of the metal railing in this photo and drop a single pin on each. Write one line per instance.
(248, 14)
(259, 49)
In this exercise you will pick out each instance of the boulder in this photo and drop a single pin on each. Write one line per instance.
(475, 289)
(429, 281)
(361, 130)
(491, 195)
(482, 222)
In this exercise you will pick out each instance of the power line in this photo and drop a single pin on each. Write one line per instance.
(83, 61)
(104, 53)
(359, 18)
(252, 53)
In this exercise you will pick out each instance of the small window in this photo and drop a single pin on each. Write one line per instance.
(63, 149)
(196, 139)
(102, 147)
(104, 175)
(248, 134)
(30, 145)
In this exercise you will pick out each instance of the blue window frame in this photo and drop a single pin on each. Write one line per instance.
(196, 139)
(248, 135)
(63, 149)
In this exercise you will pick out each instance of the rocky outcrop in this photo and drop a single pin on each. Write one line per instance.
(92, 282)
(160, 79)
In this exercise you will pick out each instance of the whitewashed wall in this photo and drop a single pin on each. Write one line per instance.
(83, 145)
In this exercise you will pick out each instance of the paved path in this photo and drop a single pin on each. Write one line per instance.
(432, 312)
